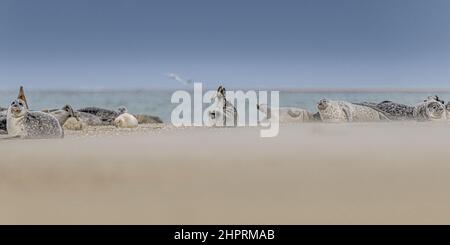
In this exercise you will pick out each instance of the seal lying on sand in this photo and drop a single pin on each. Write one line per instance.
(3, 112)
(287, 114)
(62, 114)
(224, 113)
(394, 111)
(430, 111)
(434, 98)
(147, 119)
(125, 119)
(106, 116)
(31, 124)
(342, 111)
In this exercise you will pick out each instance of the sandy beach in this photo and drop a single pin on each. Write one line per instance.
(374, 173)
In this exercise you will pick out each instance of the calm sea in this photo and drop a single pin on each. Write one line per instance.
(157, 102)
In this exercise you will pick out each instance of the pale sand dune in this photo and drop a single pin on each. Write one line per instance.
(382, 173)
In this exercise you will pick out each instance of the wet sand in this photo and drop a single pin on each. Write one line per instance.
(385, 173)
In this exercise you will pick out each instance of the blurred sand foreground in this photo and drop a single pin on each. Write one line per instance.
(397, 173)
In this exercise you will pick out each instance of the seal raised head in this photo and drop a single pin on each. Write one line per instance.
(31, 124)
(430, 111)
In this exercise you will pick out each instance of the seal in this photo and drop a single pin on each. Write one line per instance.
(106, 116)
(31, 124)
(431, 110)
(342, 111)
(147, 119)
(287, 114)
(125, 119)
(73, 123)
(224, 113)
(63, 114)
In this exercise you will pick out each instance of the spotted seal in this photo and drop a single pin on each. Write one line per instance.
(342, 111)
(31, 124)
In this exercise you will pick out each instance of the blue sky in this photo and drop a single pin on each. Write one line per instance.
(259, 43)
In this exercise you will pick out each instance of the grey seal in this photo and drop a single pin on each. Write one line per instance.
(31, 124)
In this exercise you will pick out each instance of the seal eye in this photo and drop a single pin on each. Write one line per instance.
(20, 104)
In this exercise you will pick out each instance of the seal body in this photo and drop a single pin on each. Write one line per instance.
(393, 111)
(342, 111)
(31, 124)
(287, 114)
(126, 120)
(430, 111)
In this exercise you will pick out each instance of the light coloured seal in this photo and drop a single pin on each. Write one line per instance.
(125, 120)
(342, 111)
(31, 124)
(430, 111)
(286, 114)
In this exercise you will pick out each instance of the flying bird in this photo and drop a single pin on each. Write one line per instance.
(180, 79)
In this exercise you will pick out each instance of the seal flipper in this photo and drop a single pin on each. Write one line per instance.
(22, 96)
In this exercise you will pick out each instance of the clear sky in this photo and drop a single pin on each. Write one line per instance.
(298, 43)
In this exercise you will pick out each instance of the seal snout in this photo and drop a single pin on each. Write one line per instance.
(323, 104)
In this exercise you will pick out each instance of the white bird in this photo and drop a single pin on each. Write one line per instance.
(180, 79)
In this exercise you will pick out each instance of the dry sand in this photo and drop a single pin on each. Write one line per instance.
(396, 173)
